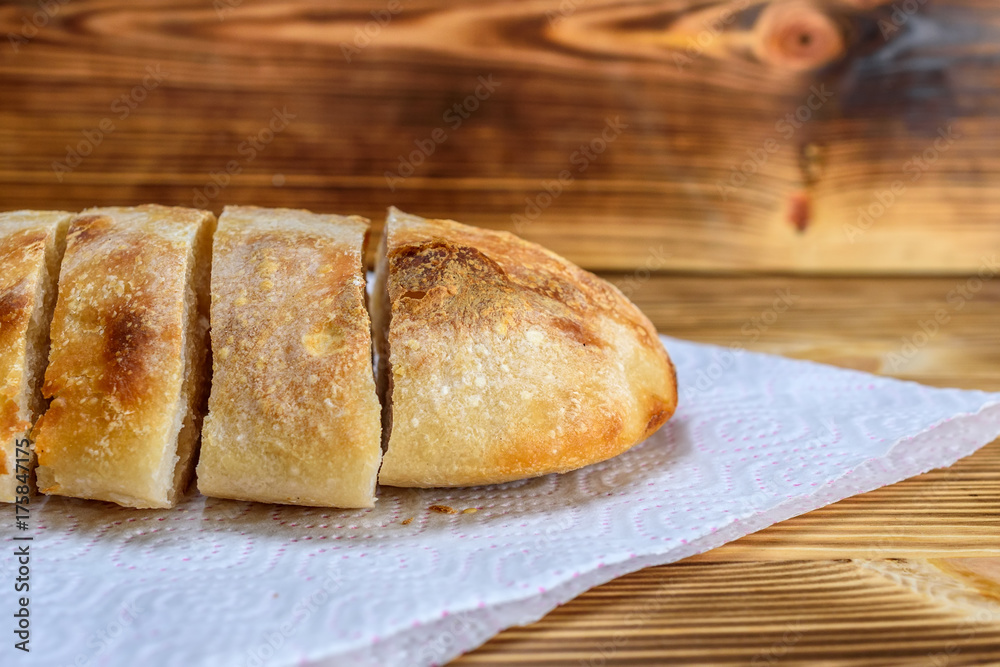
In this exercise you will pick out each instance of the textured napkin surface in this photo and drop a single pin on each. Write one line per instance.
(757, 439)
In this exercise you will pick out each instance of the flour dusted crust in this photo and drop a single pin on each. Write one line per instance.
(499, 359)
(31, 244)
(293, 414)
(505, 360)
(127, 363)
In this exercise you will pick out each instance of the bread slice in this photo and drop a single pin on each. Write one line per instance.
(293, 416)
(505, 360)
(31, 247)
(128, 366)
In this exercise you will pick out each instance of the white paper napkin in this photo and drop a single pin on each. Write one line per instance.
(757, 439)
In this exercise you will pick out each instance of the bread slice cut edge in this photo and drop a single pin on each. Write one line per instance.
(133, 441)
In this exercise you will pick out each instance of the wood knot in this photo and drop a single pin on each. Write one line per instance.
(799, 210)
(798, 35)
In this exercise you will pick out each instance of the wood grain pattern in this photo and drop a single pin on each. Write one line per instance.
(701, 91)
(821, 612)
(883, 325)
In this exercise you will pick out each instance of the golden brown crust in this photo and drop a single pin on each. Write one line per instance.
(507, 361)
(29, 247)
(15, 312)
(123, 341)
(293, 415)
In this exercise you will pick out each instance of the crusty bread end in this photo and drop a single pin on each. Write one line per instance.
(31, 247)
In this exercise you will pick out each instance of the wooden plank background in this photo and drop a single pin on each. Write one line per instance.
(701, 154)
(702, 93)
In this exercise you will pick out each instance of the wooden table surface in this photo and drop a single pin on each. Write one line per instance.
(707, 152)
(905, 575)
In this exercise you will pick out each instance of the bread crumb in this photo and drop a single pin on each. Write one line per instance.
(470, 510)
(407, 522)
(443, 509)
